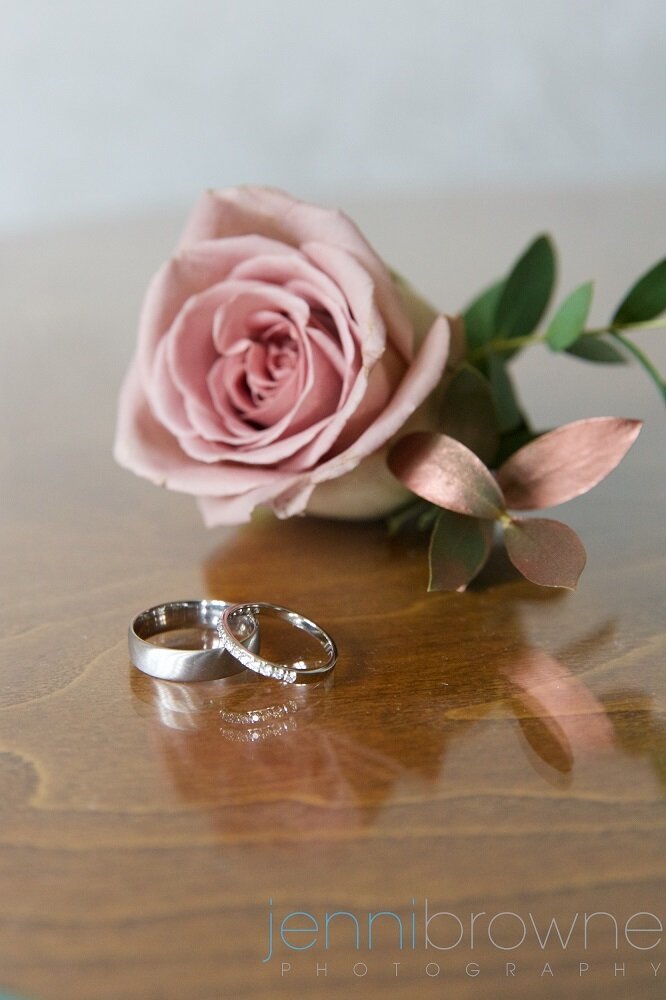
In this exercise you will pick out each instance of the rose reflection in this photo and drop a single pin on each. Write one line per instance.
(304, 759)
(254, 747)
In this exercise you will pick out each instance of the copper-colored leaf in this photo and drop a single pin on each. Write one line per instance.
(546, 552)
(566, 462)
(446, 473)
(459, 547)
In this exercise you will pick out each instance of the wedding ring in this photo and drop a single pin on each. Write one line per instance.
(171, 663)
(286, 673)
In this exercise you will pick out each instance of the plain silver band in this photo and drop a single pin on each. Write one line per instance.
(287, 673)
(185, 664)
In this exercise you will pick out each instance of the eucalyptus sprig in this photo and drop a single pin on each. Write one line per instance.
(507, 317)
(483, 427)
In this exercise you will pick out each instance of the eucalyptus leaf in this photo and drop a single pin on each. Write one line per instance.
(546, 552)
(443, 471)
(479, 316)
(565, 462)
(527, 291)
(645, 299)
(642, 359)
(511, 441)
(468, 413)
(459, 547)
(569, 321)
(507, 409)
(596, 349)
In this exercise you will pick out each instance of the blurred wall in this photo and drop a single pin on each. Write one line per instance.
(112, 106)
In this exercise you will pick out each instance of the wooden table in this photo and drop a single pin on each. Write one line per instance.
(497, 758)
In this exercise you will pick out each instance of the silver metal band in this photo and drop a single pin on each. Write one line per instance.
(286, 673)
(173, 664)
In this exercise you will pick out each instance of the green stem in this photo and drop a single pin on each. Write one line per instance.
(648, 324)
(539, 337)
(496, 346)
(642, 358)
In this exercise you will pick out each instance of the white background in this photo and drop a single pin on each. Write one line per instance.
(138, 104)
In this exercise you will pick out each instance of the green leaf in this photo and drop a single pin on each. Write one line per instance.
(479, 317)
(569, 321)
(527, 291)
(468, 413)
(459, 547)
(596, 349)
(507, 409)
(644, 300)
(511, 441)
(642, 359)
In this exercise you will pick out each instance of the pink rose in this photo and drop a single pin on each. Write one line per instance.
(276, 355)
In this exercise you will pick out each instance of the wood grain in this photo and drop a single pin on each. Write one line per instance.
(502, 751)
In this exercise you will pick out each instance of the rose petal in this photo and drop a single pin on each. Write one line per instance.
(315, 441)
(238, 301)
(194, 361)
(330, 322)
(546, 552)
(566, 462)
(368, 330)
(420, 379)
(279, 216)
(359, 294)
(304, 398)
(166, 400)
(357, 337)
(189, 351)
(382, 382)
(423, 375)
(144, 446)
(421, 314)
(367, 491)
(237, 509)
(191, 273)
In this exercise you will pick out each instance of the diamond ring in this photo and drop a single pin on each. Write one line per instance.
(287, 673)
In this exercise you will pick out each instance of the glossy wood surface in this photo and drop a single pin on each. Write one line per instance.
(497, 752)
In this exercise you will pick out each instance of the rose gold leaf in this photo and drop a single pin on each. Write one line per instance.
(446, 473)
(546, 552)
(566, 462)
(459, 547)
